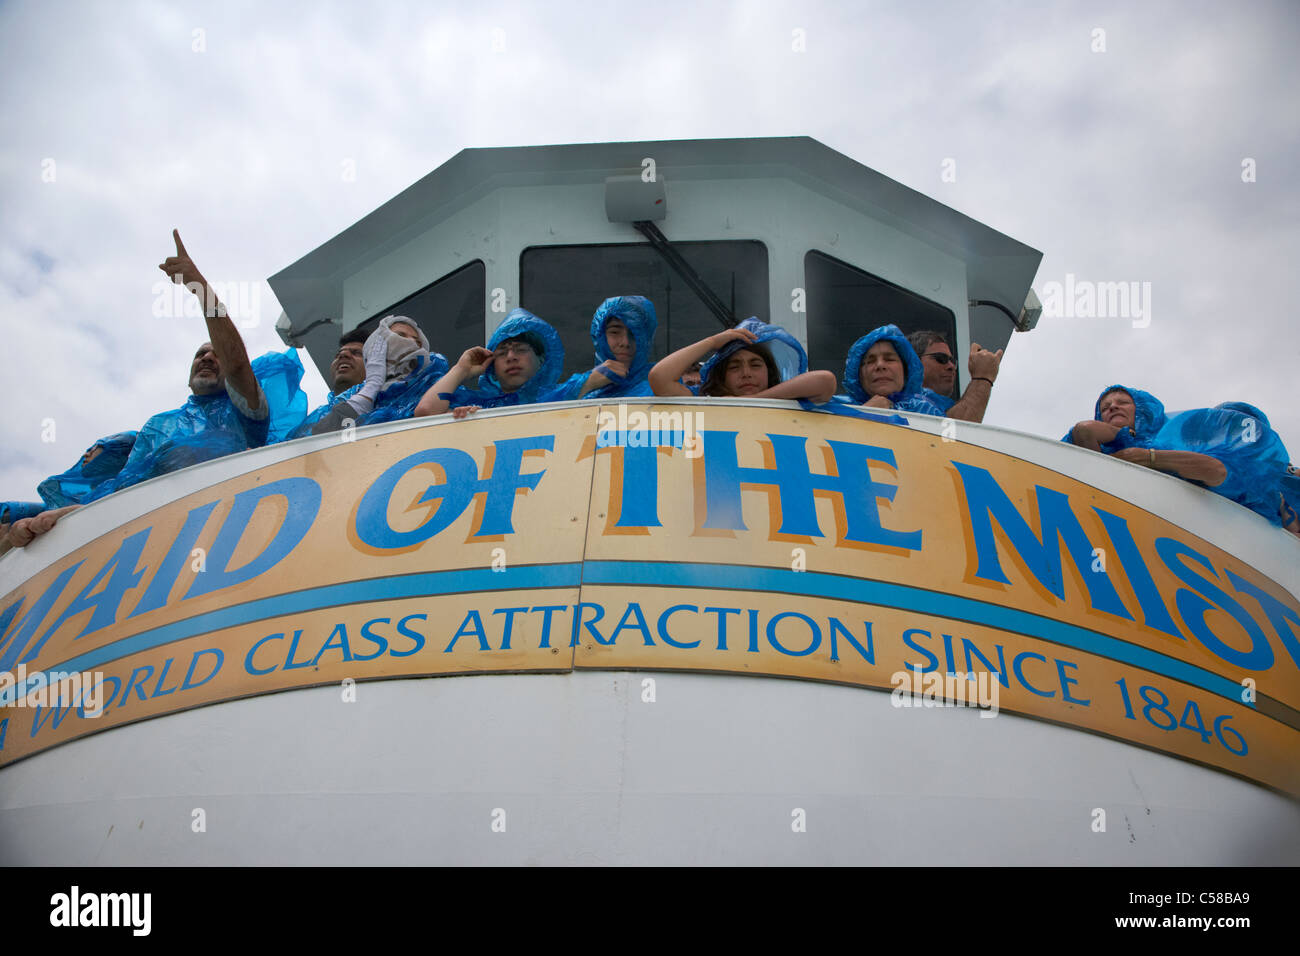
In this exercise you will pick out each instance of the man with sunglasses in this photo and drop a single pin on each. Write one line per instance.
(941, 375)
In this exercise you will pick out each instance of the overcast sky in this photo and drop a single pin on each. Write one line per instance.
(232, 122)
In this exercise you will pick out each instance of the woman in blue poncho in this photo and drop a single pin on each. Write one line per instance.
(882, 370)
(1122, 418)
(753, 360)
(520, 365)
(623, 332)
(1230, 449)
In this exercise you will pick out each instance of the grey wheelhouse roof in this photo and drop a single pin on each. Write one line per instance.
(311, 289)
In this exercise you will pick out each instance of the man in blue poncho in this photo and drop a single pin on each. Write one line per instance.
(520, 365)
(347, 372)
(882, 370)
(235, 404)
(623, 332)
(397, 369)
(940, 368)
(1230, 449)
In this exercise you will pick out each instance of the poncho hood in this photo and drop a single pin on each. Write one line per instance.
(638, 314)
(914, 382)
(537, 332)
(791, 359)
(1148, 415)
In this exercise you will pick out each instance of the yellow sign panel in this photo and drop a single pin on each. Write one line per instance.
(714, 538)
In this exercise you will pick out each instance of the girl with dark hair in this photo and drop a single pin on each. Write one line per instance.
(753, 360)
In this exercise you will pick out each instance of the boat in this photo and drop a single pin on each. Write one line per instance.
(661, 630)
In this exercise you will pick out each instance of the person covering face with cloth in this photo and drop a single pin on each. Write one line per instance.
(398, 369)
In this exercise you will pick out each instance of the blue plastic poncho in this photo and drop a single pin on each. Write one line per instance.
(638, 314)
(791, 359)
(11, 511)
(320, 411)
(1239, 435)
(942, 402)
(1289, 495)
(912, 398)
(399, 399)
(280, 375)
(1236, 433)
(1148, 418)
(74, 485)
(210, 426)
(541, 387)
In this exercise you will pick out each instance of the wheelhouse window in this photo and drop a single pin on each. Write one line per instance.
(845, 302)
(566, 284)
(450, 311)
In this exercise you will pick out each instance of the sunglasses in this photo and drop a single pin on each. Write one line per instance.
(943, 358)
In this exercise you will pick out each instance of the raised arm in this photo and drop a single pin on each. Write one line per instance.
(472, 362)
(664, 376)
(816, 386)
(1093, 434)
(983, 366)
(223, 335)
(599, 379)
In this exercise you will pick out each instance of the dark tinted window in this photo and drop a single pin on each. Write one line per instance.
(566, 284)
(844, 303)
(450, 311)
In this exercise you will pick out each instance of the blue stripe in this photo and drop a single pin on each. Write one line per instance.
(719, 577)
(353, 592)
(732, 577)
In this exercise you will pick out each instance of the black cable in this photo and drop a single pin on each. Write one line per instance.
(1015, 320)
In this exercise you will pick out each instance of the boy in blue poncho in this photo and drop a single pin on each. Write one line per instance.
(752, 360)
(882, 370)
(520, 365)
(398, 368)
(623, 332)
(1230, 449)
(235, 404)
